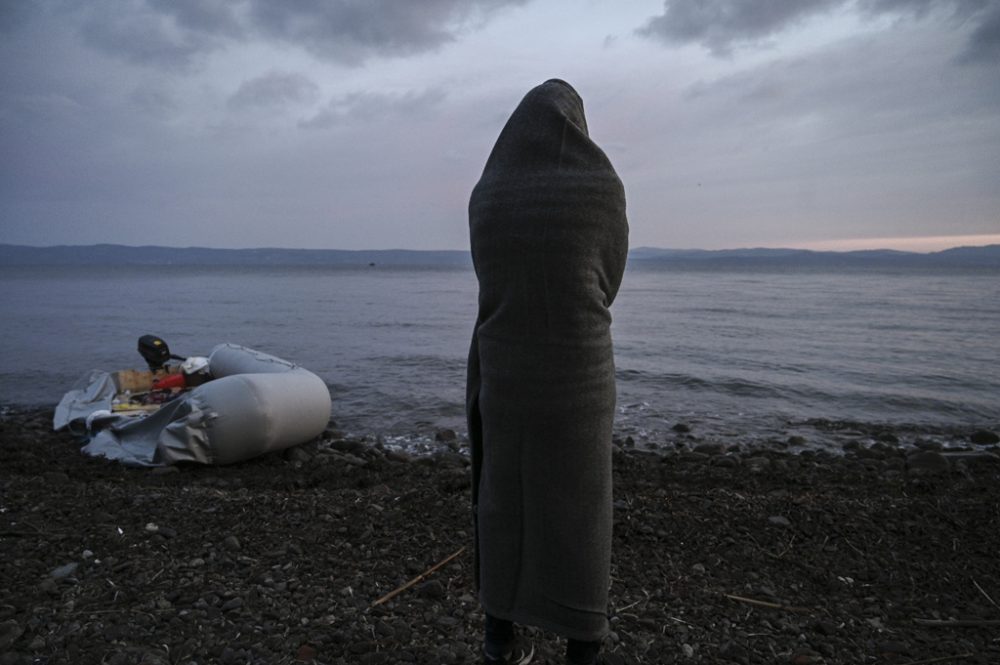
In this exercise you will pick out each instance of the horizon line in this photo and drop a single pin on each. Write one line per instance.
(927, 245)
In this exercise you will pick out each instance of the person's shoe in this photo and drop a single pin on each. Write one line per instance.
(519, 652)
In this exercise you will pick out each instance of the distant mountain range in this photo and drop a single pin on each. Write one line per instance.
(988, 255)
(204, 256)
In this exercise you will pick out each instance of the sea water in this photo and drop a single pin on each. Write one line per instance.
(738, 355)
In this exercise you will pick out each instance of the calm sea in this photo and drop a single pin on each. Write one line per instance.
(738, 355)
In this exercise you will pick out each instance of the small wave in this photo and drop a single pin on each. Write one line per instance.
(731, 385)
(401, 325)
(430, 362)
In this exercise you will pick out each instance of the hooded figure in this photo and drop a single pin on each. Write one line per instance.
(549, 241)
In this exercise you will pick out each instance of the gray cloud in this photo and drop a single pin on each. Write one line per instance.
(984, 43)
(352, 32)
(140, 33)
(874, 132)
(920, 8)
(274, 89)
(152, 101)
(897, 92)
(219, 17)
(369, 106)
(178, 33)
(722, 25)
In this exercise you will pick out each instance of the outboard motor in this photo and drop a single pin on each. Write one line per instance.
(155, 351)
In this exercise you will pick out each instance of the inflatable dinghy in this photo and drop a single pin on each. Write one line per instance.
(255, 403)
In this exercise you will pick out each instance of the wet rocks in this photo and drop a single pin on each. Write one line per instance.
(927, 462)
(353, 446)
(734, 652)
(297, 454)
(445, 435)
(709, 448)
(399, 456)
(984, 437)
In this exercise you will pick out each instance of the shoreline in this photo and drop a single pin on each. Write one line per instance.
(685, 434)
(719, 556)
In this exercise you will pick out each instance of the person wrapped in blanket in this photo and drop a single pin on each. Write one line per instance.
(549, 239)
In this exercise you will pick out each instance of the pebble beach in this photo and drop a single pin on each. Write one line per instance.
(345, 550)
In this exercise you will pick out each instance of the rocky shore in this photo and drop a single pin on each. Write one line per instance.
(883, 554)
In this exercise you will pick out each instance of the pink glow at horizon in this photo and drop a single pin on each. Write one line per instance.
(912, 244)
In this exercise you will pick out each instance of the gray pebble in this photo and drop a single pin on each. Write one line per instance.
(64, 571)
(984, 437)
(232, 604)
(710, 449)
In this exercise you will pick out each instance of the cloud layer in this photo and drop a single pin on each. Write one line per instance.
(366, 124)
(180, 33)
(371, 107)
(724, 25)
(274, 89)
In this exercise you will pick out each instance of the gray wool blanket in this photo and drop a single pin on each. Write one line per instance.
(549, 241)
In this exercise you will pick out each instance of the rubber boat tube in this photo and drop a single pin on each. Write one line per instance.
(255, 404)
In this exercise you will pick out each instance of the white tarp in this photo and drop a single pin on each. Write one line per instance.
(93, 392)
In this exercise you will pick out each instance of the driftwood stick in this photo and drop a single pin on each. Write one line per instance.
(942, 659)
(629, 606)
(983, 591)
(398, 590)
(957, 623)
(764, 603)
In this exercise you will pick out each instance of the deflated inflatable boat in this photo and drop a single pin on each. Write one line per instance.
(255, 403)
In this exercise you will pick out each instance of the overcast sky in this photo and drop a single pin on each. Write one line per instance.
(366, 123)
